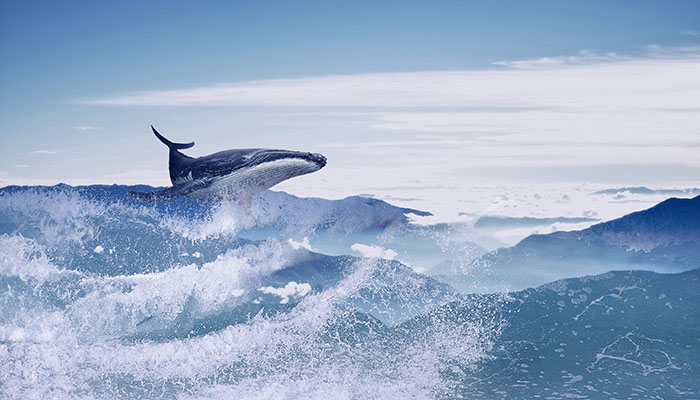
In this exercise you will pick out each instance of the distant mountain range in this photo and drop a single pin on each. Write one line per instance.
(664, 238)
(674, 221)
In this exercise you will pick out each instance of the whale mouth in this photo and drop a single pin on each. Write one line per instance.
(319, 159)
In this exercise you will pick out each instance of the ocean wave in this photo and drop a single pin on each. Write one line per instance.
(102, 296)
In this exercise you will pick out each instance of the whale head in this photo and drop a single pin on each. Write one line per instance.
(286, 163)
(316, 160)
(255, 171)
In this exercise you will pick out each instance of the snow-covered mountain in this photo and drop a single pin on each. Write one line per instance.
(664, 238)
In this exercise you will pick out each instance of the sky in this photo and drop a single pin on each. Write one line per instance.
(397, 94)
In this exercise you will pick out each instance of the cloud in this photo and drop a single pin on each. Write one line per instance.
(584, 57)
(690, 33)
(289, 290)
(137, 177)
(583, 117)
(532, 83)
(45, 152)
(373, 251)
(131, 177)
(587, 57)
(88, 128)
(299, 245)
(6, 180)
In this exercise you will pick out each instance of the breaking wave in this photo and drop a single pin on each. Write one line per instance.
(102, 296)
(105, 297)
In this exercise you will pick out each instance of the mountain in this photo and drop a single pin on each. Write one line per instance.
(664, 238)
(674, 221)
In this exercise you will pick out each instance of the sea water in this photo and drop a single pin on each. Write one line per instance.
(102, 296)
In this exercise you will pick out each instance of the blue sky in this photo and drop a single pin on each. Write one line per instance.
(82, 81)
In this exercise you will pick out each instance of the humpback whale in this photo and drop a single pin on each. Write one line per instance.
(230, 174)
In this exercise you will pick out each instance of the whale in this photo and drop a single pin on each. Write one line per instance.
(229, 175)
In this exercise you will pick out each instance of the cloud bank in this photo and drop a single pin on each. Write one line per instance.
(596, 117)
(612, 81)
(590, 100)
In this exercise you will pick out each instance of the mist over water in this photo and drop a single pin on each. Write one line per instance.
(102, 296)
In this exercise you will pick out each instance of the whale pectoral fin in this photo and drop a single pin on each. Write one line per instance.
(172, 192)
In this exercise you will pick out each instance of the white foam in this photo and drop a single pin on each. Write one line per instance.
(26, 259)
(118, 304)
(74, 340)
(225, 218)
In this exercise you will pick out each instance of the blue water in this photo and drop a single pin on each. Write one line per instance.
(102, 296)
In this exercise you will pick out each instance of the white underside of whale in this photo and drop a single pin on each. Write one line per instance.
(244, 183)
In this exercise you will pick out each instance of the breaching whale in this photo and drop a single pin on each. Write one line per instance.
(231, 174)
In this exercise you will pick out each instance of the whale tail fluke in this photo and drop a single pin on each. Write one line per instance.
(171, 145)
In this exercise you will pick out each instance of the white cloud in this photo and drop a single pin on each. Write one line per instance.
(690, 33)
(137, 177)
(545, 82)
(45, 152)
(586, 109)
(298, 245)
(7, 180)
(290, 289)
(374, 251)
(596, 117)
(584, 57)
(133, 177)
(88, 128)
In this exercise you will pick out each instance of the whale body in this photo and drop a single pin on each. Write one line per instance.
(231, 174)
